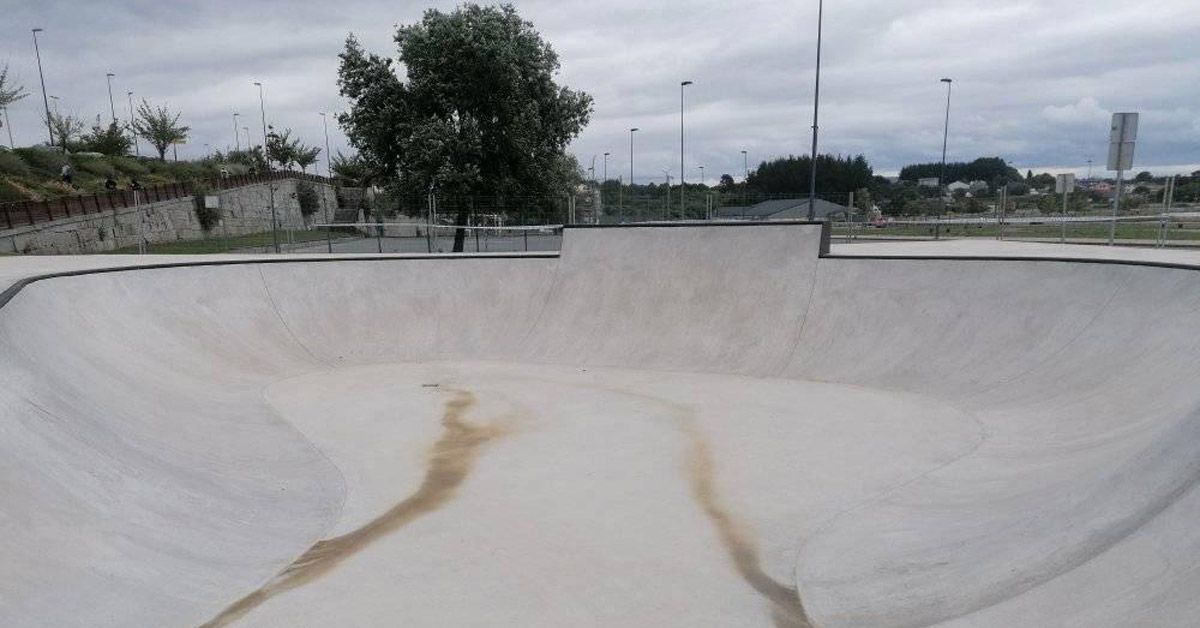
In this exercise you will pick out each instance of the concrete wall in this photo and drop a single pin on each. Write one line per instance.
(244, 210)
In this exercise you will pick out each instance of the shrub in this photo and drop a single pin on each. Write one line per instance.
(128, 165)
(306, 196)
(9, 193)
(92, 165)
(47, 160)
(208, 217)
(11, 163)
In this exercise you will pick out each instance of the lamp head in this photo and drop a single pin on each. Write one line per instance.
(685, 83)
(946, 80)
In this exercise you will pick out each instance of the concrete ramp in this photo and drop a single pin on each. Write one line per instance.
(662, 425)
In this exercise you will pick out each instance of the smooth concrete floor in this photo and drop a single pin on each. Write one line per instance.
(660, 426)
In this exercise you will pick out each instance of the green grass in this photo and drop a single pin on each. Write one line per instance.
(219, 244)
(35, 173)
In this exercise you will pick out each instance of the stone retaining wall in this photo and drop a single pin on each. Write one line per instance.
(244, 210)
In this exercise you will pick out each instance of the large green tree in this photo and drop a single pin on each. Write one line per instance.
(477, 113)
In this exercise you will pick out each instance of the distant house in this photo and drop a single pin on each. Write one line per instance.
(928, 182)
(958, 186)
(979, 186)
(785, 209)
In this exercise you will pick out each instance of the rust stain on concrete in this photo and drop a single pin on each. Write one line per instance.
(451, 460)
(786, 609)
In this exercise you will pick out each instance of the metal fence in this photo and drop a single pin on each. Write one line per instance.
(1177, 229)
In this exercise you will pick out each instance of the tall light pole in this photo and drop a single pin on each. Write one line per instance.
(746, 166)
(42, 78)
(1089, 171)
(237, 141)
(701, 175)
(329, 174)
(262, 107)
(9, 125)
(812, 170)
(631, 132)
(945, 137)
(605, 168)
(111, 105)
(682, 208)
(136, 150)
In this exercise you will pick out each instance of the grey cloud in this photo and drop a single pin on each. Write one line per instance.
(1035, 79)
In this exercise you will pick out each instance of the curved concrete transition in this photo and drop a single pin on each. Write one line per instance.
(662, 426)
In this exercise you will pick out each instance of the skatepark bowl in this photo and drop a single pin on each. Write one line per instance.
(657, 426)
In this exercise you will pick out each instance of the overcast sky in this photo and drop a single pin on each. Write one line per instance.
(1035, 80)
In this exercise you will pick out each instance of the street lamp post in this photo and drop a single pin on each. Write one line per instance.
(945, 137)
(270, 184)
(42, 78)
(7, 124)
(111, 105)
(701, 176)
(605, 169)
(631, 132)
(136, 150)
(682, 208)
(329, 174)
(237, 141)
(812, 170)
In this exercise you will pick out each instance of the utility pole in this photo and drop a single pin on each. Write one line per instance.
(812, 171)
(237, 141)
(42, 78)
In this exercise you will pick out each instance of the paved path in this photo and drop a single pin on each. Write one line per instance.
(660, 426)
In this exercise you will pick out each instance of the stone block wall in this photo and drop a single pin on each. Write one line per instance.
(244, 210)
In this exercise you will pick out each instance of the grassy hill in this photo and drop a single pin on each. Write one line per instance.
(35, 173)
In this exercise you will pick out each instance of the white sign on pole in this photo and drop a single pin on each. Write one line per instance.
(1064, 183)
(1121, 139)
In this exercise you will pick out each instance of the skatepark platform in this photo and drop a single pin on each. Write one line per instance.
(658, 426)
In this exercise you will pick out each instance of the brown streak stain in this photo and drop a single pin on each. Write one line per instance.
(451, 460)
(786, 609)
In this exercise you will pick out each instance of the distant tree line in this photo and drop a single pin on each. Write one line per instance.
(992, 170)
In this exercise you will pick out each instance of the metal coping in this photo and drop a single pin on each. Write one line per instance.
(9, 293)
(698, 223)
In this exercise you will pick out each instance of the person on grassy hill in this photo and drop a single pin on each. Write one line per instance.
(68, 175)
